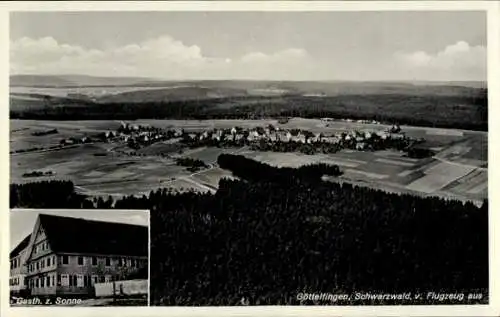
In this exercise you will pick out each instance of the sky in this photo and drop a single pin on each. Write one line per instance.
(22, 221)
(382, 45)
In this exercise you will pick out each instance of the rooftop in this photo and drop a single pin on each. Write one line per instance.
(78, 235)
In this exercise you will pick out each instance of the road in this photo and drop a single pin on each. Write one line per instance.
(188, 178)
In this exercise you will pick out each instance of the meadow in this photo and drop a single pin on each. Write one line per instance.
(456, 171)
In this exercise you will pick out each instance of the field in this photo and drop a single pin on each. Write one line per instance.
(458, 170)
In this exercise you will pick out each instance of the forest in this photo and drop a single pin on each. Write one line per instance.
(462, 112)
(274, 233)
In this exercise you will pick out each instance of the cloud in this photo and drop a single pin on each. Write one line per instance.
(168, 58)
(163, 57)
(459, 60)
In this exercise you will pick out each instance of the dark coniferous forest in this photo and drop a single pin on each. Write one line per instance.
(277, 232)
(460, 112)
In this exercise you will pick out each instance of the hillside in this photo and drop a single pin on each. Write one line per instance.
(171, 94)
(72, 81)
(330, 88)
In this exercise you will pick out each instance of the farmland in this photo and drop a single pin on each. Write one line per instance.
(458, 170)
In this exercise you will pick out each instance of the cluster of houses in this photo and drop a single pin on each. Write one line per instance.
(136, 136)
(133, 134)
(359, 140)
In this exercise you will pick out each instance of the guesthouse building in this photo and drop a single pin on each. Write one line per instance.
(67, 256)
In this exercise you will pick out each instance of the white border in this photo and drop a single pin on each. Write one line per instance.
(493, 9)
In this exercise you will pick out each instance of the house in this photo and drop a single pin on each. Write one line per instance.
(239, 137)
(66, 256)
(178, 132)
(360, 146)
(397, 136)
(18, 271)
(300, 137)
(383, 135)
(283, 136)
(85, 139)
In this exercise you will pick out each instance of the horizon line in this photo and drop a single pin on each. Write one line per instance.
(251, 79)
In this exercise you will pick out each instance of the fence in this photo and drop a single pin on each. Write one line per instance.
(123, 288)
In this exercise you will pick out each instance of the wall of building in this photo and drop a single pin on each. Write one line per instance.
(18, 272)
(43, 284)
(87, 267)
(75, 291)
(41, 266)
(93, 269)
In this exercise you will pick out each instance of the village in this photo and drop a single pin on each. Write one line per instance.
(268, 138)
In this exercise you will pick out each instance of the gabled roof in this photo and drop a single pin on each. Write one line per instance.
(20, 247)
(77, 235)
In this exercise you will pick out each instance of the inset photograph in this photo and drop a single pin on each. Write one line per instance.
(79, 257)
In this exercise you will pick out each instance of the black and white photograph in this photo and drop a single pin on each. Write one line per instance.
(79, 257)
(286, 158)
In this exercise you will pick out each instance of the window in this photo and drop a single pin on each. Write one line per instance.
(48, 281)
(48, 262)
(42, 264)
(120, 262)
(65, 259)
(94, 279)
(37, 265)
(42, 282)
(75, 280)
(94, 260)
(53, 280)
(64, 279)
(108, 261)
(58, 279)
(107, 278)
(85, 281)
(80, 260)
(37, 282)
(102, 279)
(79, 280)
